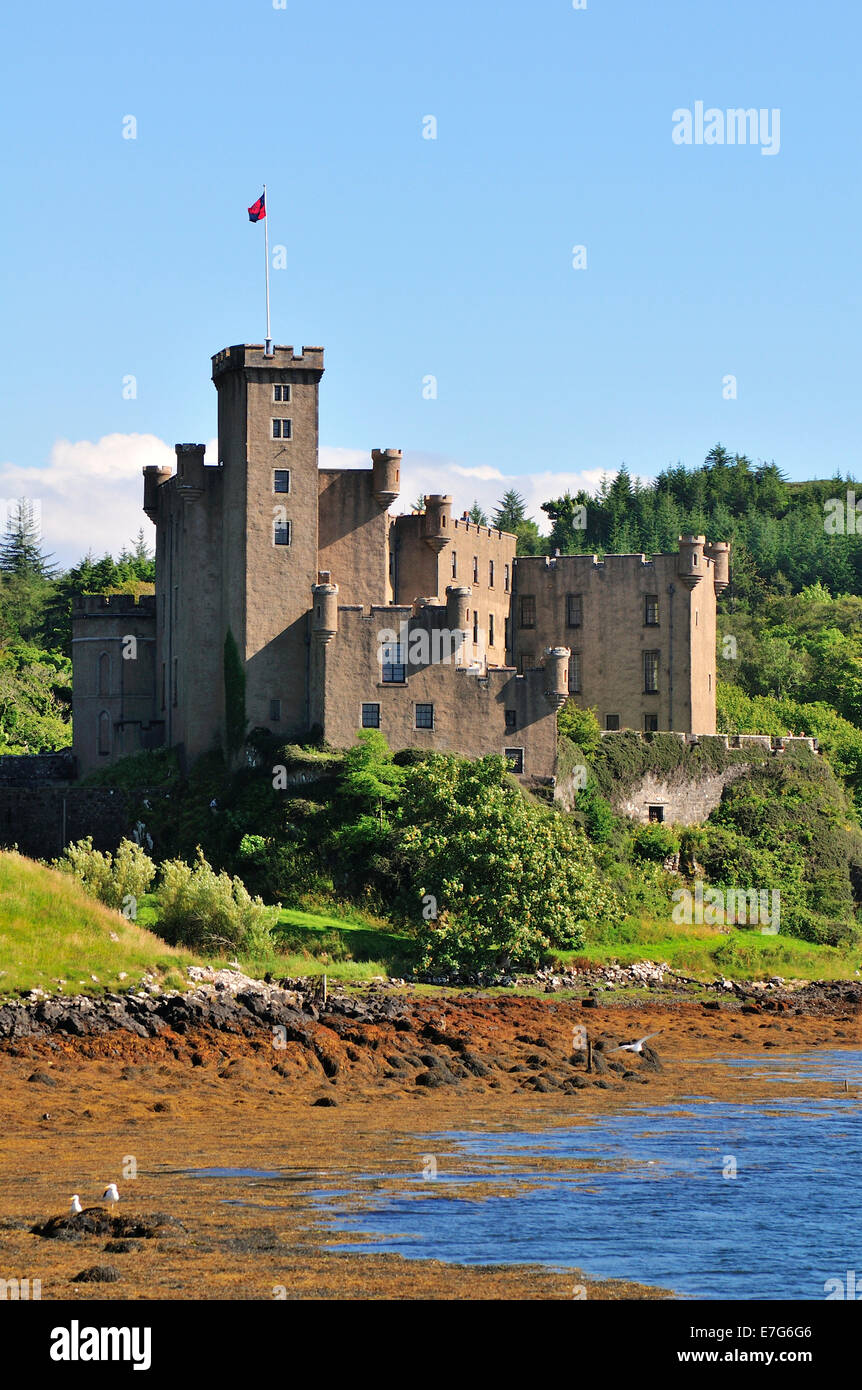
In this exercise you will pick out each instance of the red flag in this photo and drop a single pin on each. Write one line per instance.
(257, 211)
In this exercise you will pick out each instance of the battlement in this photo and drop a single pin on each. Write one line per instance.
(492, 532)
(243, 356)
(109, 605)
(770, 743)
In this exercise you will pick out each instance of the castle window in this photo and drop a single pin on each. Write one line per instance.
(656, 814)
(104, 674)
(506, 578)
(176, 680)
(575, 673)
(475, 569)
(490, 574)
(371, 716)
(281, 533)
(274, 711)
(515, 759)
(650, 610)
(528, 610)
(651, 672)
(281, 480)
(475, 626)
(454, 565)
(528, 662)
(650, 723)
(612, 723)
(104, 733)
(281, 393)
(424, 716)
(574, 610)
(511, 720)
(282, 429)
(709, 679)
(490, 629)
(163, 686)
(393, 671)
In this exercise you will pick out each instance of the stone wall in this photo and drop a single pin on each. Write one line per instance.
(37, 769)
(684, 801)
(41, 821)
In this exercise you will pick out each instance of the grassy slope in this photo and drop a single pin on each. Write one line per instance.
(50, 929)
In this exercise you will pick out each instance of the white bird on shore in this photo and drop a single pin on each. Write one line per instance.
(111, 1194)
(635, 1046)
(75, 1205)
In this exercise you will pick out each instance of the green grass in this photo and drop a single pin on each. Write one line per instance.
(704, 952)
(344, 943)
(51, 930)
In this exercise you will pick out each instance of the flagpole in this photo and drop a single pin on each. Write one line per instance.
(268, 349)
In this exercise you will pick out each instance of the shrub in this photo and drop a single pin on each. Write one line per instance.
(655, 842)
(113, 879)
(210, 911)
(514, 879)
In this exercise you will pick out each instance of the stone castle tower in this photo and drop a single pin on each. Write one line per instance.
(343, 616)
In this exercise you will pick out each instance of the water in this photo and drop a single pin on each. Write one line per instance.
(659, 1210)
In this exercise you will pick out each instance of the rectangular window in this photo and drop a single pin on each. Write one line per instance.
(176, 681)
(424, 716)
(281, 393)
(371, 716)
(274, 711)
(515, 758)
(528, 610)
(490, 574)
(393, 669)
(490, 629)
(163, 685)
(506, 578)
(475, 569)
(281, 533)
(282, 429)
(574, 610)
(575, 673)
(454, 564)
(612, 723)
(650, 610)
(511, 720)
(281, 480)
(528, 661)
(475, 626)
(651, 672)
(656, 814)
(650, 723)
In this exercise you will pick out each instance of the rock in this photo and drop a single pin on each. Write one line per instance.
(43, 1078)
(96, 1274)
(327, 1101)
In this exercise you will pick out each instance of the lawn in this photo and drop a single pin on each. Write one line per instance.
(50, 930)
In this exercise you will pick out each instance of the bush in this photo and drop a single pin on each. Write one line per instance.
(655, 842)
(210, 911)
(509, 879)
(113, 879)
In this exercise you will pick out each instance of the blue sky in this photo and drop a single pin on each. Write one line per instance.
(409, 257)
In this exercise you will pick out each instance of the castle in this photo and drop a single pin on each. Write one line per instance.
(342, 616)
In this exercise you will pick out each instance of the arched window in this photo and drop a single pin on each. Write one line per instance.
(104, 674)
(104, 732)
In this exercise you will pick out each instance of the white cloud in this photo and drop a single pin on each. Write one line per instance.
(91, 493)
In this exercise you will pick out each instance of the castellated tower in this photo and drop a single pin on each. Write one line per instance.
(268, 445)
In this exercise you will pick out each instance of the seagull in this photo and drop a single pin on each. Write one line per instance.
(111, 1194)
(635, 1046)
(75, 1205)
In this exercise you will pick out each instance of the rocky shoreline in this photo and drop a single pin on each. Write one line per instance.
(231, 1002)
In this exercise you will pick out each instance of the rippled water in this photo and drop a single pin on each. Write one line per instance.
(785, 1224)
